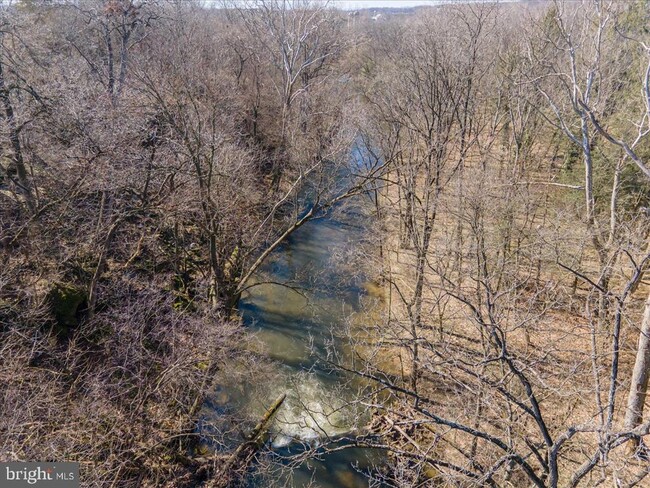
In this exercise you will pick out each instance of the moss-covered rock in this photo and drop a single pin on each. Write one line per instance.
(66, 302)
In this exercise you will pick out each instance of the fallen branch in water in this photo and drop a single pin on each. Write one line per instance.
(243, 455)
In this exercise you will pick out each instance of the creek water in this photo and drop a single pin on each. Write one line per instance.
(299, 311)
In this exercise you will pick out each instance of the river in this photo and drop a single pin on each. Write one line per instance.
(308, 294)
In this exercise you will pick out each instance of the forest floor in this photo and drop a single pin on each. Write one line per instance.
(556, 338)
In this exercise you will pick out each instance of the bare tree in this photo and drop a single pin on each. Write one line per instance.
(637, 132)
(300, 41)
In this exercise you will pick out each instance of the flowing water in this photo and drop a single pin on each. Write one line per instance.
(305, 296)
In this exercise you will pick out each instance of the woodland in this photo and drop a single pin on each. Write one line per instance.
(156, 155)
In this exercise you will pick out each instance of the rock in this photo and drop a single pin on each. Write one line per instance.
(66, 302)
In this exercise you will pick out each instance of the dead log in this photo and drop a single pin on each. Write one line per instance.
(239, 460)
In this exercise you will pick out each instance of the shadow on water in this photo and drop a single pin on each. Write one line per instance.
(295, 324)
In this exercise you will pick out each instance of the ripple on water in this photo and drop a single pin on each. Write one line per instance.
(311, 412)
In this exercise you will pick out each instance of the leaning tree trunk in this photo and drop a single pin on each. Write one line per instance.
(640, 374)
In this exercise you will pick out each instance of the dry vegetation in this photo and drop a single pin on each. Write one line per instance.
(153, 154)
(145, 175)
(514, 246)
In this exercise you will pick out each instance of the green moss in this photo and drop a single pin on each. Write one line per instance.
(203, 450)
(183, 292)
(6, 309)
(65, 301)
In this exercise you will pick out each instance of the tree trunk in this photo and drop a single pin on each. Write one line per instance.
(18, 161)
(640, 374)
(230, 471)
(110, 61)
